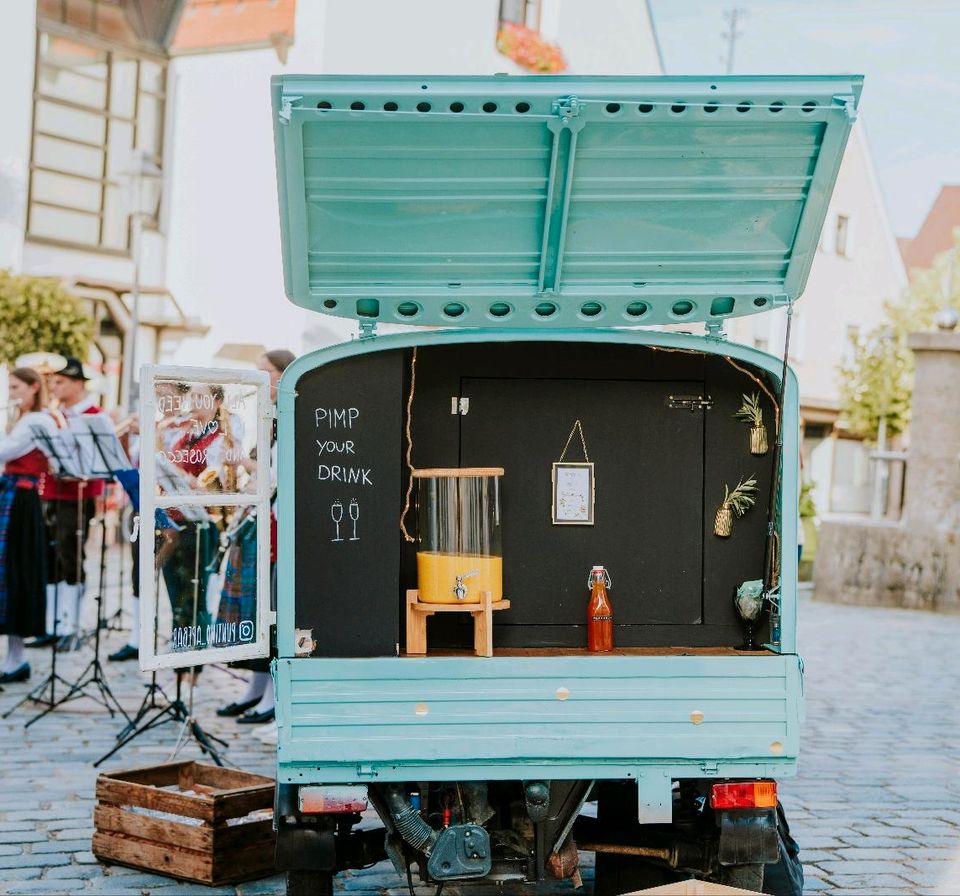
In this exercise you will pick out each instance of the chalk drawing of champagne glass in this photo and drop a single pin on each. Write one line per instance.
(336, 514)
(354, 510)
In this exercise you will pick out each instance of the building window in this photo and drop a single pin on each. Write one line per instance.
(842, 236)
(521, 12)
(92, 107)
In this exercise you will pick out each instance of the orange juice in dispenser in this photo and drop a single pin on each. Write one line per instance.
(459, 552)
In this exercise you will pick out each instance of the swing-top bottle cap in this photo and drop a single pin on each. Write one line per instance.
(595, 568)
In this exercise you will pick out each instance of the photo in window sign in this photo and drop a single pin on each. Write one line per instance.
(206, 555)
(207, 564)
(206, 433)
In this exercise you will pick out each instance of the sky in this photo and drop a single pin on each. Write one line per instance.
(908, 51)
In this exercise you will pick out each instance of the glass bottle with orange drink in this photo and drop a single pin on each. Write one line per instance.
(599, 612)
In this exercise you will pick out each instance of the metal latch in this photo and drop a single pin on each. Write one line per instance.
(690, 403)
(304, 644)
(567, 107)
(286, 108)
(459, 405)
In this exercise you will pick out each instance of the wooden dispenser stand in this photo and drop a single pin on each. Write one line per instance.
(482, 613)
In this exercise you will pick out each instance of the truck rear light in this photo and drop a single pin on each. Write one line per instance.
(332, 799)
(744, 795)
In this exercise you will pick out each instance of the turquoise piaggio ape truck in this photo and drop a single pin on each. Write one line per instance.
(549, 239)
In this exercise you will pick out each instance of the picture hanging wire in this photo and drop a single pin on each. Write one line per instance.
(583, 442)
(771, 556)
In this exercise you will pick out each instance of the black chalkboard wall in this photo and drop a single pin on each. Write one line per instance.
(660, 474)
(348, 430)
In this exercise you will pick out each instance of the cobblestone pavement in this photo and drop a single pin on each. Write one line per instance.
(876, 807)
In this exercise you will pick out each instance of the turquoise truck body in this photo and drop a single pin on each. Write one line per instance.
(542, 214)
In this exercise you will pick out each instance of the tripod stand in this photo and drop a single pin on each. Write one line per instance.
(166, 711)
(92, 675)
(62, 463)
(157, 708)
(38, 694)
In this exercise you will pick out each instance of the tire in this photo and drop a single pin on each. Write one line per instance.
(746, 877)
(309, 883)
(784, 877)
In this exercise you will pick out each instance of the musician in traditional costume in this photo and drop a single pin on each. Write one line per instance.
(66, 504)
(23, 536)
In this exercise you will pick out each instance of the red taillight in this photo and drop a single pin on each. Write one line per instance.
(333, 799)
(744, 795)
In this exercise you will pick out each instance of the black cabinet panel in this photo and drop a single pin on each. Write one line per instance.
(649, 495)
(349, 429)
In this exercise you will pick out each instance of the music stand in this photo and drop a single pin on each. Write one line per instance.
(96, 460)
(59, 453)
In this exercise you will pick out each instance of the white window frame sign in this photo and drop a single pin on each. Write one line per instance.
(150, 502)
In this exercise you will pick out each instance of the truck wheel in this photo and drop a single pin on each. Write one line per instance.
(784, 877)
(746, 877)
(309, 883)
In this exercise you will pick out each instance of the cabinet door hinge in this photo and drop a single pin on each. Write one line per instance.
(459, 405)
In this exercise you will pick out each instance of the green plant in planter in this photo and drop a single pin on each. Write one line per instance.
(738, 501)
(751, 412)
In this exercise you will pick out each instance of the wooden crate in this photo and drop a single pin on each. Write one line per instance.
(694, 888)
(181, 819)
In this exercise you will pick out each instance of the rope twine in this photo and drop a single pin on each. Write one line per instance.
(409, 456)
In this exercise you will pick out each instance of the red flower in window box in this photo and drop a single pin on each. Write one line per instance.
(525, 47)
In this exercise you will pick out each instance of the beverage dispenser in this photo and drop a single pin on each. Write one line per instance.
(459, 552)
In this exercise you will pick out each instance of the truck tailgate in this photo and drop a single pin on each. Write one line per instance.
(563, 716)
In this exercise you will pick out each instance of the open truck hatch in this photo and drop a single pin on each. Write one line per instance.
(554, 201)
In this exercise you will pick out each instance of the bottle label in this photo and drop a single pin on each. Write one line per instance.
(603, 619)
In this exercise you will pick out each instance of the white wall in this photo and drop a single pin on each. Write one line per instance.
(615, 37)
(17, 46)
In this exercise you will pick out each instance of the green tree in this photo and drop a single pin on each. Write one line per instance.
(38, 314)
(877, 380)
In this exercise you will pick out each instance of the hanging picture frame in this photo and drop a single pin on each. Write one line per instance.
(573, 494)
(573, 486)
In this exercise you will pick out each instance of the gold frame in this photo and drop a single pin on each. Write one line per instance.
(591, 498)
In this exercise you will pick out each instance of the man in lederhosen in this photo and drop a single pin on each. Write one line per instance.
(65, 504)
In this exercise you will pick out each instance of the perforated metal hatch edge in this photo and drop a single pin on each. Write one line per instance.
(546, 201)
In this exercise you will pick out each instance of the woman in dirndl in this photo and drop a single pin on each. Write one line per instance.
(23, 537)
